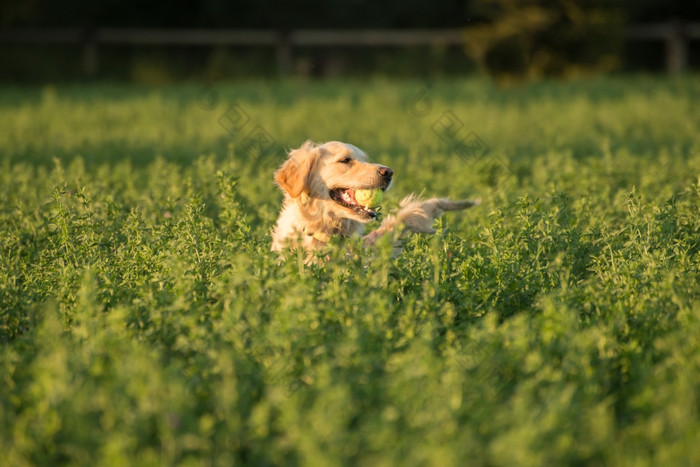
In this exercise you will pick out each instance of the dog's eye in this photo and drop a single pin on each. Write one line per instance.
(347, 160)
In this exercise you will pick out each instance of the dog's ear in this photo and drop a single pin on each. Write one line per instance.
(295, 174)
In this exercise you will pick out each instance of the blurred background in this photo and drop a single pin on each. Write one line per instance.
(165, 41)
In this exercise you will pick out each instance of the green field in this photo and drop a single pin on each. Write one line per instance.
(143, 320)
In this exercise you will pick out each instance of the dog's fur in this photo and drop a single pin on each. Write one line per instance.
(314, 175)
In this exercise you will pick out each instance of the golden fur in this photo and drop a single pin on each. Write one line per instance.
(314, 175)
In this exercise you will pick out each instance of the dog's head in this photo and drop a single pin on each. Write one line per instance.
(326, 176)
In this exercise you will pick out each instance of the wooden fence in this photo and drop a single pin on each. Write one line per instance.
(676, 35)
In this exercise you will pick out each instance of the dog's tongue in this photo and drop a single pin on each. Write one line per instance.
(349, 196)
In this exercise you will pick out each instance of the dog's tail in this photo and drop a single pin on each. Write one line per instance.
(449, 205)
(417, 216)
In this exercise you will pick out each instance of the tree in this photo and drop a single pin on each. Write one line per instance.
(532, 38)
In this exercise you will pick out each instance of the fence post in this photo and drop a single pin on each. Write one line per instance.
(89, 59)
(283, 53)
(676, 49)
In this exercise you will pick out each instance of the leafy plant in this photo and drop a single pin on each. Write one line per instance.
(143, 319)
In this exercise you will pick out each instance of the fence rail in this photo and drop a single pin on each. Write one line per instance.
(676, 35)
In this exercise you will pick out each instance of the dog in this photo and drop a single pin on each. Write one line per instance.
(319, 183)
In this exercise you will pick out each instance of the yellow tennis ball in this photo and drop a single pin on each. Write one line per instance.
(369, 198)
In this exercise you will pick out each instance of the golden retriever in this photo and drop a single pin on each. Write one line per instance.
(319, 183)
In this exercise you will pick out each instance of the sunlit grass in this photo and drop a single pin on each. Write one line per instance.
(144, 321)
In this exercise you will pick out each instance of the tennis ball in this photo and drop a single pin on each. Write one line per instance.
(369, 198)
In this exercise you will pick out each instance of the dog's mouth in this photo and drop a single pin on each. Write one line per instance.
(346, 198)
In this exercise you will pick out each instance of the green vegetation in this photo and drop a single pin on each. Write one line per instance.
(143, 320)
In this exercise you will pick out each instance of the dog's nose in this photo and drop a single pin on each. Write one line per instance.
(386, 172)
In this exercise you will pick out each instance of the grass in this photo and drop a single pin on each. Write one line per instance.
(143, 320)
